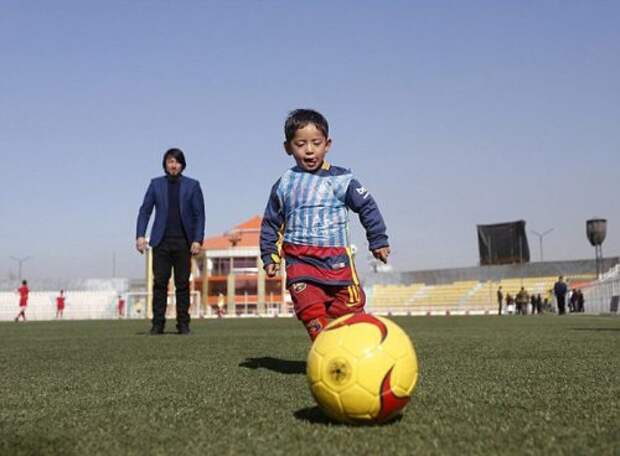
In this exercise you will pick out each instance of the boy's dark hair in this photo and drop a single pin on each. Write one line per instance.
(24, 282)
(299, 118)
(175, 153)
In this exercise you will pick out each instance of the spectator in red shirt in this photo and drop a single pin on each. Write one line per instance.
(23, 300)
(60, 305)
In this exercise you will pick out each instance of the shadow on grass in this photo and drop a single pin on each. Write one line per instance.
(596, 329)
(315, 415)
(282, 366)
(36, 444)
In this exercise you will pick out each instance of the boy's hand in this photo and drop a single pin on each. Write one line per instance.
(382, 254)
(271, 269)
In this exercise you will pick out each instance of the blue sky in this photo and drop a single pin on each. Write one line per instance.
(451, 113)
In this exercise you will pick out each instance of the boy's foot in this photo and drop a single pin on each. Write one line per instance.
(183, 330)
(156, 330)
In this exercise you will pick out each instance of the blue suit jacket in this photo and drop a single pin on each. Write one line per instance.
(191, 204)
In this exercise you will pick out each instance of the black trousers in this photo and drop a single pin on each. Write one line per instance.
(561, 305)
(172, 253)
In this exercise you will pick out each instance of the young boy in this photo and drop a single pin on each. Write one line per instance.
(306, 222)
(23, 300)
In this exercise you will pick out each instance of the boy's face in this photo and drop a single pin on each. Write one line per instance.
(309, 147)
(173, 167)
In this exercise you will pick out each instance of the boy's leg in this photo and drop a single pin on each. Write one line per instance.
(347, 300)
(309, 303)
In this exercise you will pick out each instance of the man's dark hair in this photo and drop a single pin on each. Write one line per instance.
(299, 118)
(175, 153)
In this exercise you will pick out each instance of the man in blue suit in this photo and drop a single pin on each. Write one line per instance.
(177, 233)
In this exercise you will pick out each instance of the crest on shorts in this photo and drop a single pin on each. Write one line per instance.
(299, 287)
(314, 326)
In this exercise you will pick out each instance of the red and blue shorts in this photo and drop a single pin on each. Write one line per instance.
(316, 304)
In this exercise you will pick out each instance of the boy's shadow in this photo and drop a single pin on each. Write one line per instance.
(283, 366)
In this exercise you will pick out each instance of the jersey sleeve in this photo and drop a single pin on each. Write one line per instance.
(360, 201)
(271, 228)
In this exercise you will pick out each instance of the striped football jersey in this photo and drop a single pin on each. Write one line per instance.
(307, 221)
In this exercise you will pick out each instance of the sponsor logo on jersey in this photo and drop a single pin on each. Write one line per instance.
(363, 192)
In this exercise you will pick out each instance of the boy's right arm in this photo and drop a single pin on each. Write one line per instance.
(271, 227)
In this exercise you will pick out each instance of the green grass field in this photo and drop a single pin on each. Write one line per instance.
(488, 385)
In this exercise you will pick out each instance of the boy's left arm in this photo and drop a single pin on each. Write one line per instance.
(359, 200)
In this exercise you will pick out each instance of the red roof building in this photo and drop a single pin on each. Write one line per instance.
(232, 276)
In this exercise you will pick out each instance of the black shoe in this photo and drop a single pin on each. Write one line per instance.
(183, 330)
(156, 330)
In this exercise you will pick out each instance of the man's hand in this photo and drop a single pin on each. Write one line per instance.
(272, 269)
(382, 254)
(141, 244)
(195, 248)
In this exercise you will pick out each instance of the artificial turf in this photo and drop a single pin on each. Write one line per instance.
(488, 385)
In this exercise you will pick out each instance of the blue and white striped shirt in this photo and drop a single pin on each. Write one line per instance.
(312, 209)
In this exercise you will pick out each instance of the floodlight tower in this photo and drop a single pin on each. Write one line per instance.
(540, 240)
(596, 229)
(20, 262)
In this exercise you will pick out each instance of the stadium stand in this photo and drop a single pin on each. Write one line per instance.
(462, 297)
(471, 290)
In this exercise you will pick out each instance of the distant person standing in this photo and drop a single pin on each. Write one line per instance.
(539, 304)
(120, 307)
(23, 300)
(580, 301)
(220, 305)
(177, 233)
(522, 301)
(559, 290)
(510, 307)
(60, 305)
(500, 299)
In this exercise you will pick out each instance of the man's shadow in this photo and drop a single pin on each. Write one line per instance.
(282, 366)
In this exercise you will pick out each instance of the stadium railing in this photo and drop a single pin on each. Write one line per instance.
(603, 295)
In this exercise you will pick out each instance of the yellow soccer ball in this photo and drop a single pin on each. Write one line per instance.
(362, 369)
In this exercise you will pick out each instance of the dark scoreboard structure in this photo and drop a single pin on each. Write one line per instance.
(503, 243)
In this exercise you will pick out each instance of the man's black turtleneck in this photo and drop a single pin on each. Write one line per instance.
(174, 226)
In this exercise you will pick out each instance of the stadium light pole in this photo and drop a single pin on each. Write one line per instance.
(540, 240)
(20, 262)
